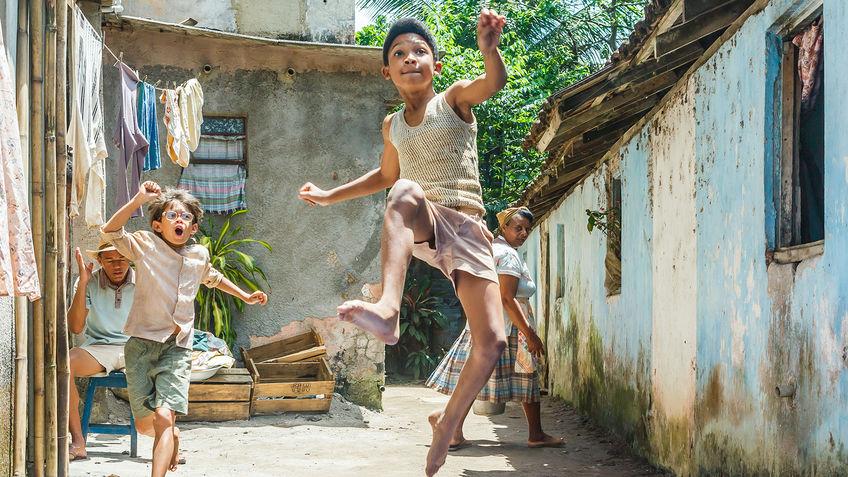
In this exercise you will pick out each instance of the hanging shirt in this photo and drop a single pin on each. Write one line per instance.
(18, 273)
(191, 111)
(177, 145)
(129, 139)
(85, 132)
(149, 125)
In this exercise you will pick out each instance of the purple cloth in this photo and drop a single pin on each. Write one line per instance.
(129, 139)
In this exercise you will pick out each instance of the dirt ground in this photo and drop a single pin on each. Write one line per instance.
(352, 441)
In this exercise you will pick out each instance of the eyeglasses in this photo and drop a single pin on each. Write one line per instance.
(186, 216)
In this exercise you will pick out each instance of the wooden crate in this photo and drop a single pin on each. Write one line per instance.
(223, 397)
(306, 386)
(290, 350)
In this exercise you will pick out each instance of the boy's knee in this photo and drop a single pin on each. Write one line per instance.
(405, 193)
(163, 417)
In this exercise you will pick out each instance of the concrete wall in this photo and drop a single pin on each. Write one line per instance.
(320, 126)
(684, 362)
(312, 20)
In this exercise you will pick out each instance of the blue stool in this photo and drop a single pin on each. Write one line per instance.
(115, 379)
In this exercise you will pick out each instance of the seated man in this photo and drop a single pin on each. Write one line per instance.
(100, 307)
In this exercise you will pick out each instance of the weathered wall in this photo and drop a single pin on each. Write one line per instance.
(313, 20)
(313, 126)
(705, 328)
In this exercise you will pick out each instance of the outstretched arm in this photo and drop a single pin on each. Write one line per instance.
(372, 182)
(147, 192)
(231, 288)
(467, 93)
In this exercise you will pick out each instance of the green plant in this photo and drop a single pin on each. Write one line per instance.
(419, 316)
(605, 221)
(214, 308)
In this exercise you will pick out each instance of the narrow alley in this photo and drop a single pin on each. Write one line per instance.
(354, 441)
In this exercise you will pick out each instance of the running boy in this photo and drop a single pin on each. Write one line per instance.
(434, 210)
(169, 270)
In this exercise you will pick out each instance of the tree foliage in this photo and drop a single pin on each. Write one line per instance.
(547, 45)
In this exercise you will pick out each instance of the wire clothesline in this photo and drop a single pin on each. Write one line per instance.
(102, 42)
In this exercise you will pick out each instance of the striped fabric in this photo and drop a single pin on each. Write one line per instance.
(503, 386)
(220, 148)
(219, 187)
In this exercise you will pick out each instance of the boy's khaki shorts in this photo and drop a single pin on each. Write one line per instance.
(157, 376)
(462, 242)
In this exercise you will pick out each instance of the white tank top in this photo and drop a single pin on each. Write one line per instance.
(440, 154)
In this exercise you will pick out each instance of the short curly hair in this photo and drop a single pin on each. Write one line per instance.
(167, 197)
(409, 25)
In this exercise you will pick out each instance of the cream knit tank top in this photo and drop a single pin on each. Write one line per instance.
(440, 154)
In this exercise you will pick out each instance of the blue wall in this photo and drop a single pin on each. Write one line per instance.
(759, 324)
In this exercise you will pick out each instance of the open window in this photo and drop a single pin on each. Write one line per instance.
(612, 260)
(800, 207)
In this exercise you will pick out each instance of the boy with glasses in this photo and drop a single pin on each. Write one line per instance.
(169, 271)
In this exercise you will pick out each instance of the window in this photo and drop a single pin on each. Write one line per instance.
(612, 260)
(560, 260)
(223, 140)
(800, 207)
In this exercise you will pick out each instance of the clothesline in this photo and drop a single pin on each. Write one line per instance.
(121, 60)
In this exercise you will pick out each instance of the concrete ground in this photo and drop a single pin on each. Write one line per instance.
(352, 441)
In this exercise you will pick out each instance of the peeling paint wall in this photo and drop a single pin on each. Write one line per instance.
(312, 20)
(314, 126)
(684, 363)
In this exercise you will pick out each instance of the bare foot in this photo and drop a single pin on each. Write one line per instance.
(77, 452)
(175, 460)
(375, 318)
(545, 441)
(439, 446)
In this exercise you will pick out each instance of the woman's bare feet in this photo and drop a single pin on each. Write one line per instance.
(376, 318)
(545, 441)
(175, 460)
(77, 452)
(439, 445)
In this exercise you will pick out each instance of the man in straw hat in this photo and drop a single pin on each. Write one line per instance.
(100, 307)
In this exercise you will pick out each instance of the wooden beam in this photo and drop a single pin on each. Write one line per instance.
(635, 74)
(693, 8)
(711, 21)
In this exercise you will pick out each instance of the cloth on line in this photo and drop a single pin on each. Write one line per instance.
(129, 139)
(191, 110)
(220, 148)
(219, 187)
(85, 134)
(18, 273)
(810, 43)
(177, 146)
(149, 125)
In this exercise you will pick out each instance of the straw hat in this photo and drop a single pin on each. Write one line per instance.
(102, 247)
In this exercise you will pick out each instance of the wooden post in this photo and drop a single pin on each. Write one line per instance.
(51, 398)
(21, 306)
(63, 373)
(37, 190)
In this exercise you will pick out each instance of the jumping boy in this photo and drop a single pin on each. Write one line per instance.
(434, 210)
(169, 271)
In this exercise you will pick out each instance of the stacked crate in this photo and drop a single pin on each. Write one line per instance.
(223, 397)
(290, 375)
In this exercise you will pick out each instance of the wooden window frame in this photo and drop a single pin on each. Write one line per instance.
(244, 160)
(788, 223)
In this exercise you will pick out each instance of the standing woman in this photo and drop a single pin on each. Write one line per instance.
(515, 377)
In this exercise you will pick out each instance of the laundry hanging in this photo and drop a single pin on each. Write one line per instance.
(148, 122)
(219, 187)
(18, 272)
(191, 110)
(85, 134)
(129, 139)
(177, 146)
(810, 43)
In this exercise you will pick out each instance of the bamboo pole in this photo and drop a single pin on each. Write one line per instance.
(21, 329)
(51, 398)
(63, 373)
(37, 190)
